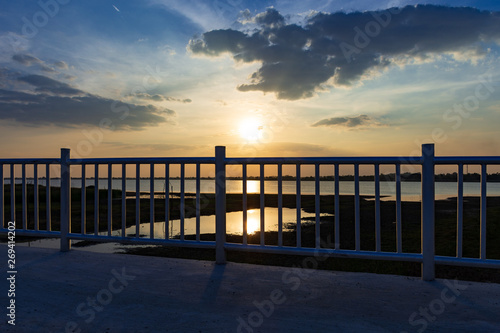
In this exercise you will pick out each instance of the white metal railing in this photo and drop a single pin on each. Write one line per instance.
(137, 163)
(64, 165)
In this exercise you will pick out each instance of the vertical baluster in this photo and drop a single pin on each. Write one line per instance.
(317, 199)
(84, 200)
(262, 206)
(137, 198)
(460, 209)
(298, 205)
(48, 215)
(24, 201)
(182, 205)
(337, 207)
(399, 231)
(280, 204)
(220, 205)
(428, 213)
(378, 236)
(198, 188)
(65, 226)
(110, 199)
(12, 194)
(167, 200)
(2, 206)
(152, 201)
(96, 199)
(357, 208)
(35, 199)
(245, 215)
(484, 177)
(124, 199)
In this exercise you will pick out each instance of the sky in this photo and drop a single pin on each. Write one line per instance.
(263, 78)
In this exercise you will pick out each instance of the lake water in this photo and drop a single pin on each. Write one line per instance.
(234, 223)
(410, 191)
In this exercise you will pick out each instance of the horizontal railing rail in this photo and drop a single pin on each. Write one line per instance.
(111, 210)
(492, 160)
(325, 160)
(30, 161)
(144, 160)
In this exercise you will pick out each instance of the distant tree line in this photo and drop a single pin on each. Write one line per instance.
(406, 176)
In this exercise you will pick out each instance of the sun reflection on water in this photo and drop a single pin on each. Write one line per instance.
(253, 221)
(253, 186)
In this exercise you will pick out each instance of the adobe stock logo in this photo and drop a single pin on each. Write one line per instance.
(88, 310)
(372, 29)
(50, 8)
(429, 314)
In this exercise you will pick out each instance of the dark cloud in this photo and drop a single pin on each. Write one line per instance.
(270, 18)
(334, 49)
(61, 65)
(47, 69)
(56, 103)
(360, 120)
(29, 60)
(173, 99)
(45, 84)
(26, 59)
(159, 98)
(146, 96)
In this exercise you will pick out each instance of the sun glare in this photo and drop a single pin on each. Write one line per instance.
(251, 130)
(253, 223)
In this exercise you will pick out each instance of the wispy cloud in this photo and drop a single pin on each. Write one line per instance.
(206, 14)
(290, 149)
(350, 122)
(156, 147)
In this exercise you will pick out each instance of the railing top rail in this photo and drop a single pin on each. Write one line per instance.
(261, 160)
(467, 160)
(326, 160)
(30, 161)
(144, 160)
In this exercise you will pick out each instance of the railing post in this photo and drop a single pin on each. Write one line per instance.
(427, 222)
(65, 200)
(220, 204)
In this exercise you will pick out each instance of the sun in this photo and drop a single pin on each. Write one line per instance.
(251, 130)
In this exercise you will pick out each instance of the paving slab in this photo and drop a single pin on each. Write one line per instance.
(81, 291)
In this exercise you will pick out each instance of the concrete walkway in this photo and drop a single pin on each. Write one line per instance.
(82, 291)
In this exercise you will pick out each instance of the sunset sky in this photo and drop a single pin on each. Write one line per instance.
(264, 78)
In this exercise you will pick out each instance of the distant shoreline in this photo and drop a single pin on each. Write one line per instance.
(391, 177)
